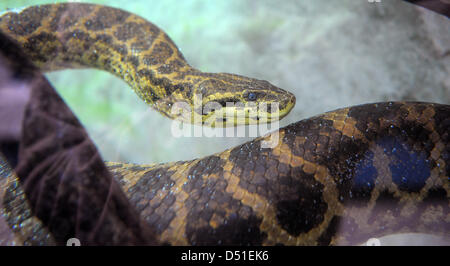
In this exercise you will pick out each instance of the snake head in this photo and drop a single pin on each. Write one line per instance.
(223, 100)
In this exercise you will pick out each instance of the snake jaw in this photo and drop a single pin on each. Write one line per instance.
(287, 104)
(282, 109)
(249, 114)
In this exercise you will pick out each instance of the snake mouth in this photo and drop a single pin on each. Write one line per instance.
(287, 106)
(263, 113)
(278, 110)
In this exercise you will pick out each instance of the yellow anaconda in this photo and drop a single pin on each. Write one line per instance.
(76, 35)
(338, 178)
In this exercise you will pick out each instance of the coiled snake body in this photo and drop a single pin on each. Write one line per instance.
(337, 178)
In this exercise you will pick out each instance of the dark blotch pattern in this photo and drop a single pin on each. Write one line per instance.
(139, 45)
(144, 34)
(315, 147)
(121, 49)
(77, 35)
(161, 52)
(297, 195)
(159, 214)
(207, 166)
(436, 195)
(368, 118)
(134, 61)
(244, 232)
(208, 202)
(306, 211)
(363, 181)
(410, 169)
(350, 164)
(46, 44)
(442, 122)
(325, 238)
(163, 82)
(27, 21)
(105, 18)
(107, 39)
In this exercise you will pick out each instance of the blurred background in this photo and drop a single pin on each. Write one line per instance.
(330, 54)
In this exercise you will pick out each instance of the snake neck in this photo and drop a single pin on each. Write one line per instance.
(76, 35)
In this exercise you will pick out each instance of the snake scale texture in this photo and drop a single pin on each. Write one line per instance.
(338, 178)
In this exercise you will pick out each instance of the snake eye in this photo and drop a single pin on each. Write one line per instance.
(251, 96)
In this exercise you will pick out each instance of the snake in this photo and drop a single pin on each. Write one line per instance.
(337, 178)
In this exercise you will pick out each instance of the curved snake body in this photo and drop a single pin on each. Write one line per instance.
(76, 35)
(338, 178)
